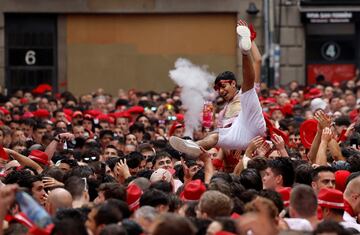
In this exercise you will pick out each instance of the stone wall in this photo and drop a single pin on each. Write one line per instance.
(292, 43)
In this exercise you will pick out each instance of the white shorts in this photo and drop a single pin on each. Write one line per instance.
(248, 124)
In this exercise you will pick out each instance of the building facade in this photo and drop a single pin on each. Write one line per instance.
(82, 45)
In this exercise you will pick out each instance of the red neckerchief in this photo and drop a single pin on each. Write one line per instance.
(319, 213)
(348, 208)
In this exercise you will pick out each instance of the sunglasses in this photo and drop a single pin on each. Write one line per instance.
(90, 159)
(220, 83)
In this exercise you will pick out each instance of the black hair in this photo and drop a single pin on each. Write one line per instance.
(69, 221)
(329, 226)
(154, 198)
(106, 132)
(342, 121)
(160, 155)
(137, 127)
(111, 162)
(273, 196)
(108, 213)
(316, 171)
(258, 163)
(354, 162)
(174, 203)
(220, 185)
(134, 159)
(303, 174)
(283, 166)
(121, 102)
(251, 179)
(15, 176)
(76, 186)
(132, 227)
(163, 186)
(113, 190)
(227, 75)
(144, 173)
(120, 205)
(28, 180)
(113, 229)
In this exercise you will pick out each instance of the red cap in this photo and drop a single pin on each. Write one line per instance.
(217, 163)
(174, 126)
(41, 113)
(287, 109)
(285, 195)
(124, 114)
(275, 108)
(4, 111)
(340, 179)
(269, 100)
(134, 193)
(94, 113)
(193, 190)
(24, 101)
(308, 131)
(27, 115)
(104, 118)
(88, 117)
(41, 89)
(313, 93)
(136, 110)
(39, 156)
(331, 198)
(68, 112)
(77, 113)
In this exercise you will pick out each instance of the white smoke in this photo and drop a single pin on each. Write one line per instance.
(195, 83)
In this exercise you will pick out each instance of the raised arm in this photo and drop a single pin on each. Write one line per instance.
(256, 61)
(321, 158)
(247, 61)
(24, 161)
(323, 122)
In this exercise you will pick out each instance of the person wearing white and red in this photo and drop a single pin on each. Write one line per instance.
(331, 202)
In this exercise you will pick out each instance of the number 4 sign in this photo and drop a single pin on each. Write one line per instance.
(330, 51)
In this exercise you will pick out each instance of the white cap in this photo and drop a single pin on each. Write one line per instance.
(161, 175)
(318, 103)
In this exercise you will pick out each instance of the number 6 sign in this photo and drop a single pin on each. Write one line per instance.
(30, 58)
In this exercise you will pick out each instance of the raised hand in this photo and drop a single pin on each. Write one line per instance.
(326, 135)
(323, 119)
(264, 149)
(121, 169)
(253, 145)
(187, 173)
(278, 142)
(66, 136)
(242, 22)
(50, 182)
(280, 145)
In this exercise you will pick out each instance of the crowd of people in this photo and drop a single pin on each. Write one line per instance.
(272, 160)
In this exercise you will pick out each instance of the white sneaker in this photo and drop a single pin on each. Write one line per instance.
(188, 147)
(244, 41)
